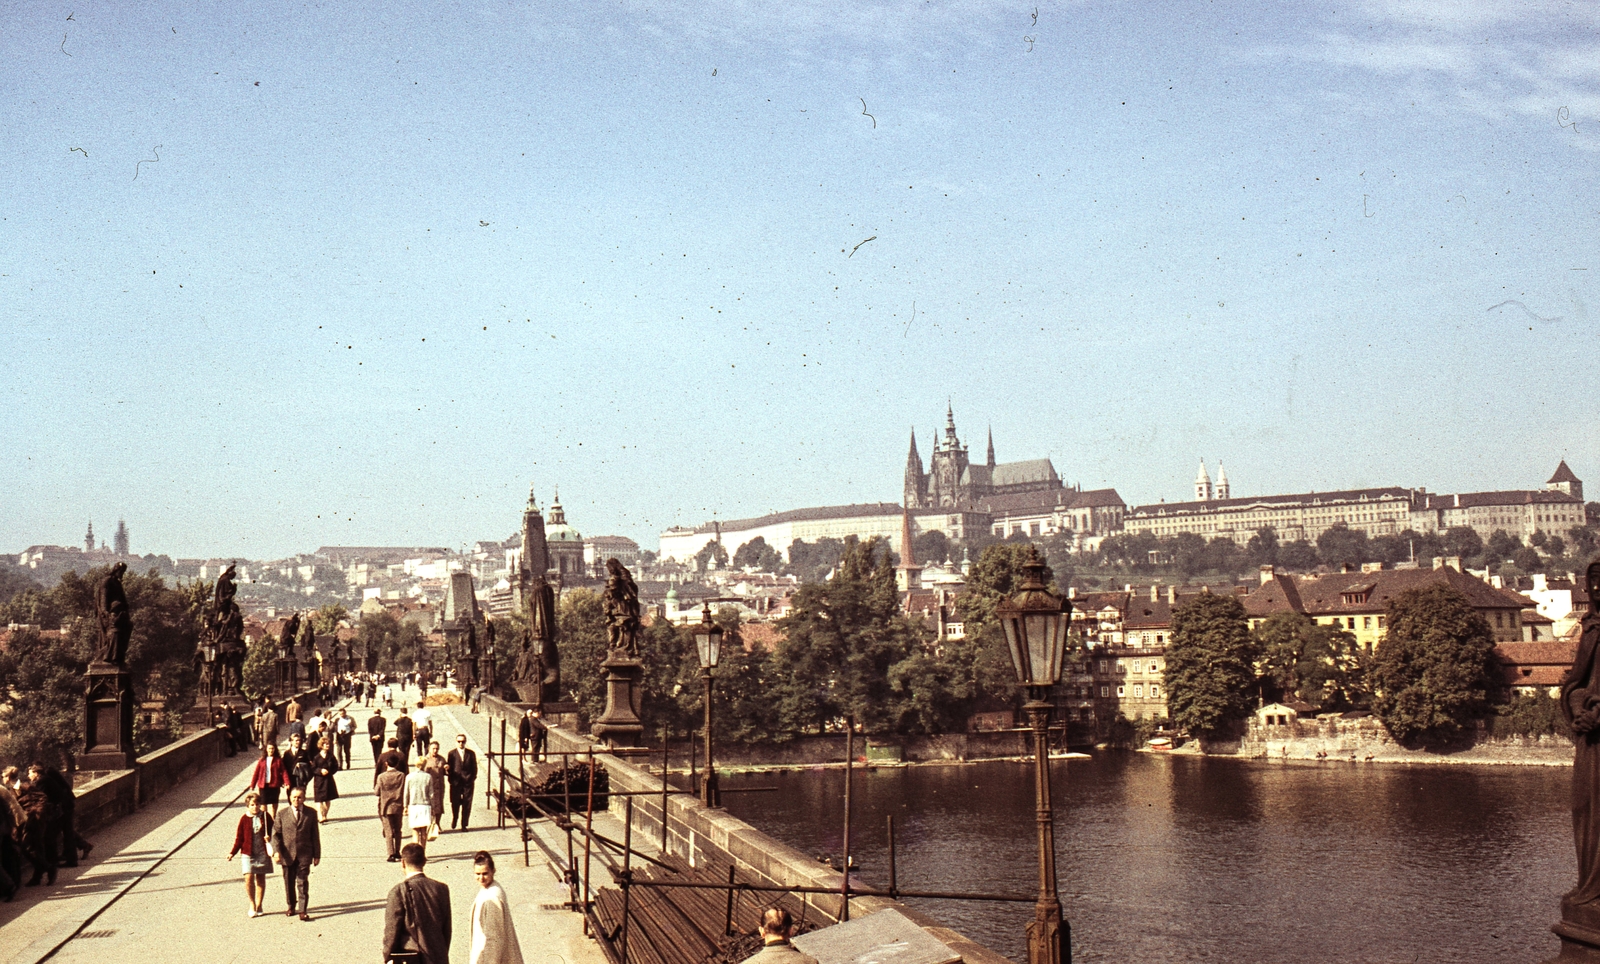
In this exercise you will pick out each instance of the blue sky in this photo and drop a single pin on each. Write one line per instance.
(279, 276)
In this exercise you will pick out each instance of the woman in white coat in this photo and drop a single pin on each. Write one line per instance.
(494, 936)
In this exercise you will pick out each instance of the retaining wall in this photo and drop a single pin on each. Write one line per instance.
(1366, 740)
(111, 797)
(695, 832)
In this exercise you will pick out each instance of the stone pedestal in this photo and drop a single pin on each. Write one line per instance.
(467, 673)
(107, 719)
(284, 686)
(620, 725)
(1579, 931)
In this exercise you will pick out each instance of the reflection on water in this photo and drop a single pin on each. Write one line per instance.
(1166, 858)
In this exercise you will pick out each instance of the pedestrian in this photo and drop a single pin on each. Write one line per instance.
(376, 727)
(324, 788)
(494, 935)
(437, 769)
(12, 820)
(524, 731)
(419, 812)
(391, 759)
(251, 844)
(65, 802)
(297, 763)
(344, 729)
(388, 695)
(266, 726)
(390, 789)
(474, 697)
(463, 774)
(416, 915)
(38, 837)
(297, 844)
(292, 716)
(268, 779)
(776, 928)
(422, 720)
(422, 685)
(405, 731)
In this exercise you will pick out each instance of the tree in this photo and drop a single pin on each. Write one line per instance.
(932, 546)
(1262, 550)
(1341, 545)
(840, 640)
(812, 562)
(395, 642)
(1188, 552)
(1210, 671)
(1527, 559)
(1317, 664)
(582, 640)
(757, 555)
(996, 575)
(1432, 673)
(327, 619)
(257, 675)
(1463, 541)
(711, 555)
(1298, 556)
(41, 692)
(1501, 546)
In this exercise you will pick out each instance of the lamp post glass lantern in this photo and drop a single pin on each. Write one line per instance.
(1035, 621)
(708, 646)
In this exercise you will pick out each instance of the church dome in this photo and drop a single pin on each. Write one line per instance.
(557, 530)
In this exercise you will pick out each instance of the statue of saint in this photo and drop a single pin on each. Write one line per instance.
(469, 639)
(116, 624)
(1580, 703)
(622, 609)
(225, 592)
(488, 635)
(291, 630)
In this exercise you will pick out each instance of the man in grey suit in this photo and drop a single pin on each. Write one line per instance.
(299, 848)
(416, 916)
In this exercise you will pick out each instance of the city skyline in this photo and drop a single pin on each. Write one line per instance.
(284, 279)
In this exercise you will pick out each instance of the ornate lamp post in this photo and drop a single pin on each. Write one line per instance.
(208, 652)
(708, 646)
(1035, 622)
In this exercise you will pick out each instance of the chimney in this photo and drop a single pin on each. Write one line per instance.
(1347, 567)
(1267, 574)
(1155, 593)
(1539, 582)
(1458, 500)
(1438, 562)
(1172, 595)
(1454, 562)
(1072, 592)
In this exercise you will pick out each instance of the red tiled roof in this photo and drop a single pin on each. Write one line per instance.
(1325, 594)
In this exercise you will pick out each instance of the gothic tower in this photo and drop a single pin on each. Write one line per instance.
(947, 466)
(1222, 482)
(916, 494)
(88, 538)
(991, 447)
(1202, 484)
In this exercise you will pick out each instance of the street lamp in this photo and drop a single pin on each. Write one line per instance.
(708, 646)
(209, 653)
(1035, 622)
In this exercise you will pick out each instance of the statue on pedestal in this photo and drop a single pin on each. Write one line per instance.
(286, 639)
(116, 624)
(226, 628)
(622, 610)
(538, 669)
(1579, 929)
(308, 651)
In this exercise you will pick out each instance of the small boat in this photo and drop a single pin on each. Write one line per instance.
(1068, 755)
(1161, 744)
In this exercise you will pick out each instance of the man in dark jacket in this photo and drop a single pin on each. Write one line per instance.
(391, 759)
(416, 916)
(391, 807)
(376, 727)
(461, 767)
(59, 790)
(404, 730)
(299, 848)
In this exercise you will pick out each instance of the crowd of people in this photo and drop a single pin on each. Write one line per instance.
(303, 753)
(37, 826)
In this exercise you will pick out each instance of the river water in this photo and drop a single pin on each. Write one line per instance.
(1175, 858)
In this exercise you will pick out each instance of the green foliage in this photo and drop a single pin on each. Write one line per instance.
(1317, 664)
(1432, 674)
(14, 581)
(582, 639)
(1462, 541)
(257, 674)
(711, 551)
(396, 642)
(41, 700)
(757, 555)
(1298, 556)
(1262, 549)
(812, 562)
(840, 641)
(933, 546)
(1529, 714)
(1210, 671)
(1502, 546)
(996, 575)
(1340, 545)
(326, 620)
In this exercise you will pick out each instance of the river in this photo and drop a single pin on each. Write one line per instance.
(1177, 858)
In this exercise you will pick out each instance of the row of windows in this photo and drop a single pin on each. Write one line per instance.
(1138, 691)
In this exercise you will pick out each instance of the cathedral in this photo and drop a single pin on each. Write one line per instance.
(954, 481)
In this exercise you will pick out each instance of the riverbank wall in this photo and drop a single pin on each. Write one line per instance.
(1365, 740)
(697, 832)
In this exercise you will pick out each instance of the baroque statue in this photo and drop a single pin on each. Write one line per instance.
(116, 623)
(291, 631)
(622, 610)
(1580, 703)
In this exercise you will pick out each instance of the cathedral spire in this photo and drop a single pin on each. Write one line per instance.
(991, 446)
(916, 482)
(1222, 482)
(908, 574)
(1202, 484)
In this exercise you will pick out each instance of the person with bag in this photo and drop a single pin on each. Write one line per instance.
(253, 846)
(419, 808)
(416, 915)
(391, 807)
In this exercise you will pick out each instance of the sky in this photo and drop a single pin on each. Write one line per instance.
(276, 276)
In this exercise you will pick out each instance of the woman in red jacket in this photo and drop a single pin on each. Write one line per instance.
(250, 845)
(269, 778)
